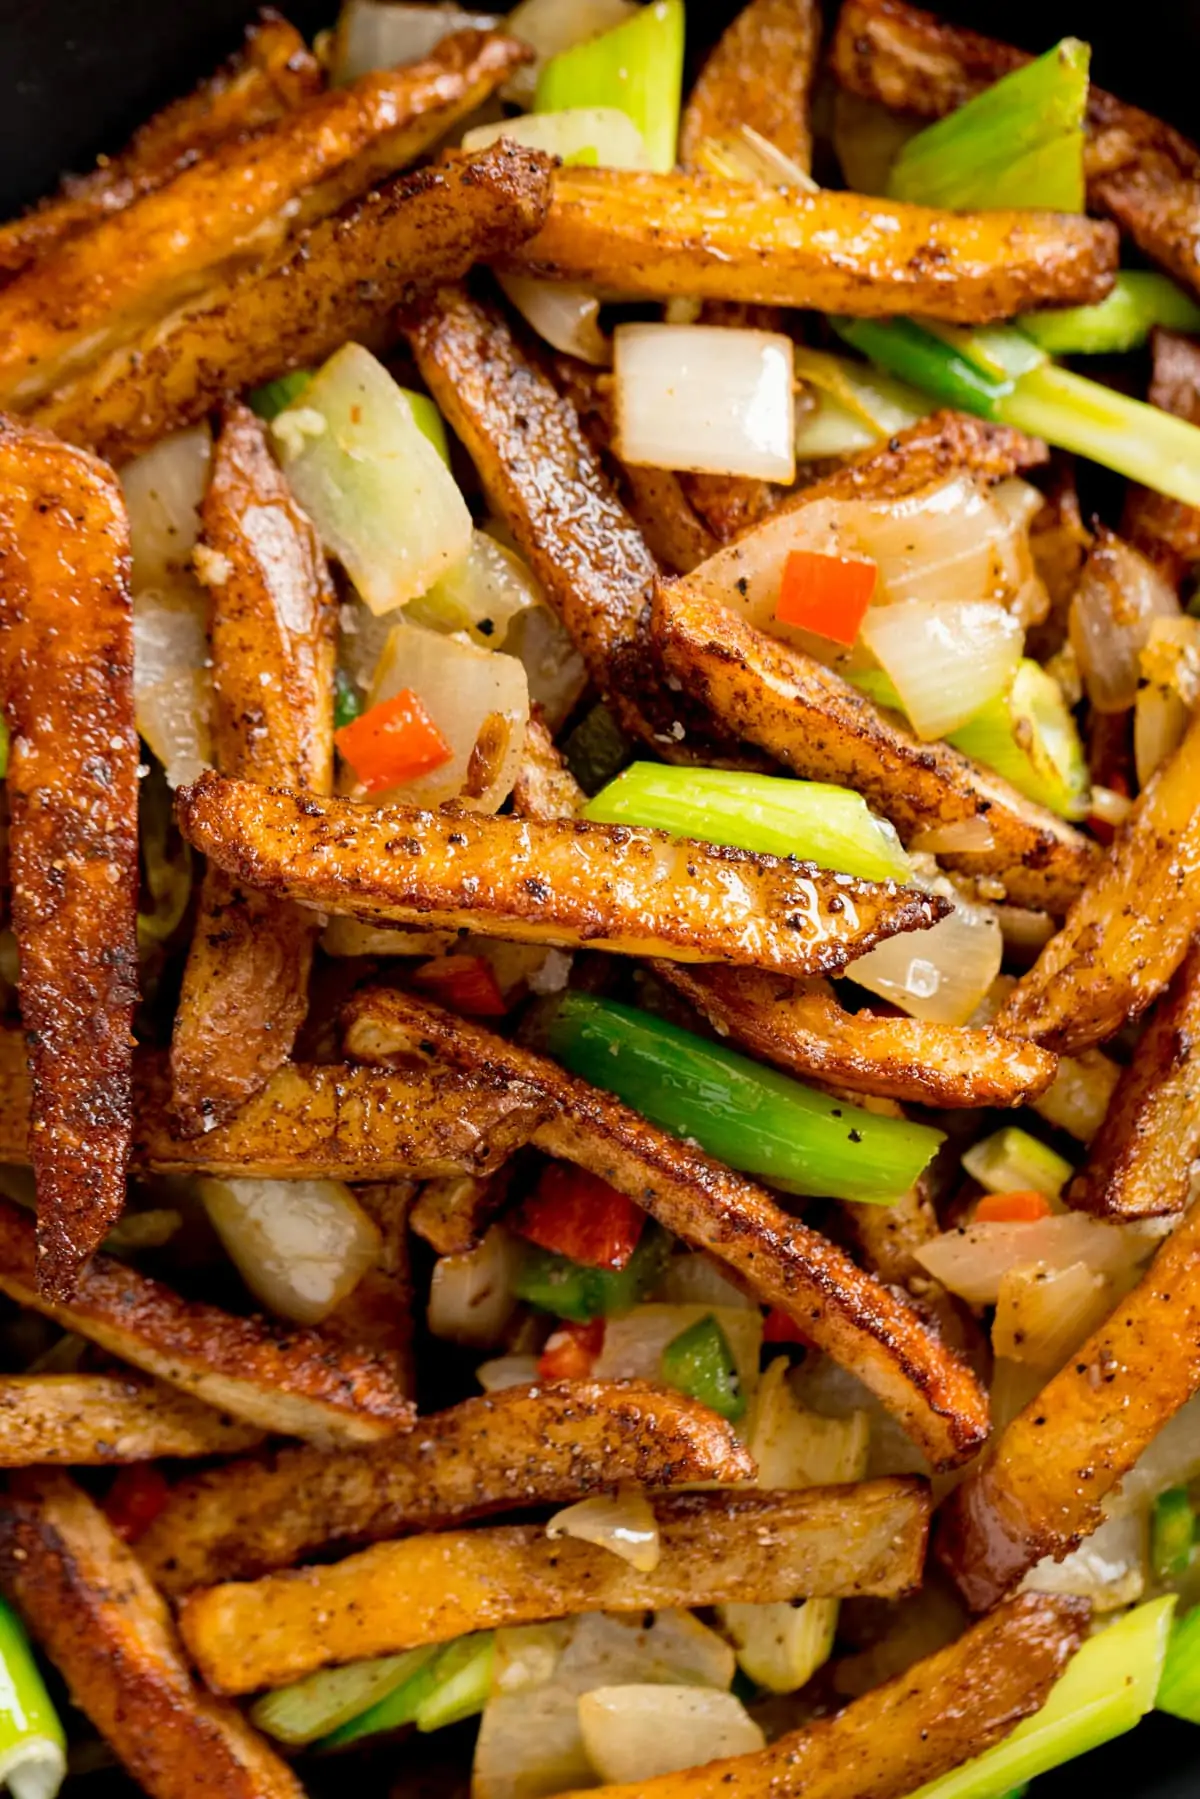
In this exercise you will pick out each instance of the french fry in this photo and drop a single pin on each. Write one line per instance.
(81, 1419)
(108, 1631)
(336, 281)
(290, 1382)
(66, 674)
(452, 1214)
(1039, 1489)
(779, 36)
(1131, 926)
(661, 237)
(566, 882)
(1140, 1164)
(828, 1541)
(944, 1710)
(93, 293)
(1139, 171)
(1166, 530)
(272, 635)
(543, 1445)
(860, 1323)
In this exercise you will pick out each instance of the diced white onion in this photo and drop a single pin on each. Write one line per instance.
(172, 684)
(822, 1385)
(634, 1344)
(1111, 807)
(1160, 720)
(483, 595)
(972, 1261)
(1170, 665)
(1077, 1099)
(566, 316)
(1108, 1568)
(1119, 596)
(945, 659)
(706, 398)
(941, 974)
(350, 937)
(609, 134)
(553, 666)
(1026, 932)
(963, 837)
(781, 1646)
(507, 1371)
(632, 1733)
(795, 1447)
(1171, 1460)
(1043, 1313)
(163, 489)
(551, 26)
(470, 1295)
(692, 1279)
(376, 489)
(373, 35)
(300, 1246)
(622, 1522)
(746, 155)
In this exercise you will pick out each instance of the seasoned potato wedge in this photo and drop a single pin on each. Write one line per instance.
(818, 725)
(1141, 1163)
(288, 1382)
(759, 74)
(544, 1445)
(338, 280)
(1166, 530)
(1039, 1488)
(66, 685)
(273, 623)
(850, 1315)
(945, 1709)
(109, 1633)
(567, 882)
(663, 236)
(828, 1541)
(1129, 929)
(77, 1419)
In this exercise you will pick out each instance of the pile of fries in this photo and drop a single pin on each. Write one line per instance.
(613, 1137)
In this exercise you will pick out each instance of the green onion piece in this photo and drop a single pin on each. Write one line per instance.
(699, 1362)
(636, 67)
(332, 1697)
(273, 396)
(464, 1680)
(1139, 301)
(749, 1117)
(1179, 1688)
(595, 749)
(1172, 1533)
(429, 422)
(568, 1289)
(398, 1707)
(769, 814)
(347, 700)
(33, 1749)
(1029, 736)
(1011, 1161)
(928, 361)
(1018, 143)
(1109, 1685)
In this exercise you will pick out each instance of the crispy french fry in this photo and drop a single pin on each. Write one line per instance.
(860, 1323)
(943, 443)
(1139, 171)
(1038, 1490)
(1131, 926)
(828, 1541)
(819, 726)
(108, 1631)
(660, 237)
(452, 1214)
(271, 74)
(377, 1315)
(1166, 530)
(338, 280)
(1141, 1163)
(944, 1710)
(566, 882)
(544, 1445)
(94, 293)
(77, 1419)
(66, 674)
(289, 1382)
(759, 74)
(272, 633)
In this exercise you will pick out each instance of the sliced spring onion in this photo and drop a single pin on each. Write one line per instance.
(637, 66)
(300, 1246)
(855, 406)
(552, 26)
(316, 1706)
(377, 490)
(747, 155)
(1029, 736)
(572, 1290)
(463, 1682)
(33, 1749)
(708, 398)
(1011, 1161)
(1123, 320)
(750, 1117)
(481, 596)
(634, 1733)
(565, 315)
(769, 814)
(1018, 143)
(273, 396)
(947, 660)
(602, 136)
(699, 1363)
(1172, 1533)
(1179, 1688)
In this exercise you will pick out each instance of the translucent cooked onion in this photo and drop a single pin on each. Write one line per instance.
(634, 1343)
(300, 1246)
(471, 1295)
(172, 684)
(854, 405)
(692, 1279)
(1170, 666)
(945, 659)
(163, 490)
(1077, 1099)
(622, 1522)
(551, 26)
(483, 595)
(632, 1733)
(601, 135)
(507, 1371)
(972, 1261)
(707, 398)
(350, 937)
(1108, 1568)
(566, 316)
(1160, 720)
(553, 666)
(795, 1447)
(942, 974)
(1044, 1313)
(965, 836)
(373, 35)
(1171, 1460)
(1119, 596)
(780, 1646)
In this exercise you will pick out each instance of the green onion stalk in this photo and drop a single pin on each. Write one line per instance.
(436, 1685)
(636, 67)
(33, 1748)
(1123, 320)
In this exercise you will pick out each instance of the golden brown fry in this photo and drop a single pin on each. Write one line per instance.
(66, 685)
(759, 74)
(273, 629)
(1129, 929)
(945, 1709)
(377, 1314)
(1039, 1488)
(942, 444)
(109, 1633)
(272, 73)
(861, 1324)
(800, 1026)
(77, 1419)
(1166, 530)
(630, 891)
(1141, 1163)
(821, 727)
(452, 1214)
(1138, 170)
(825, 1541)
(337, 281)
(230, 211)
(544, 1445)
(289, 1382)
(660, 237)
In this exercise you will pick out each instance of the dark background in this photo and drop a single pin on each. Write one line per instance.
(76, 76)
